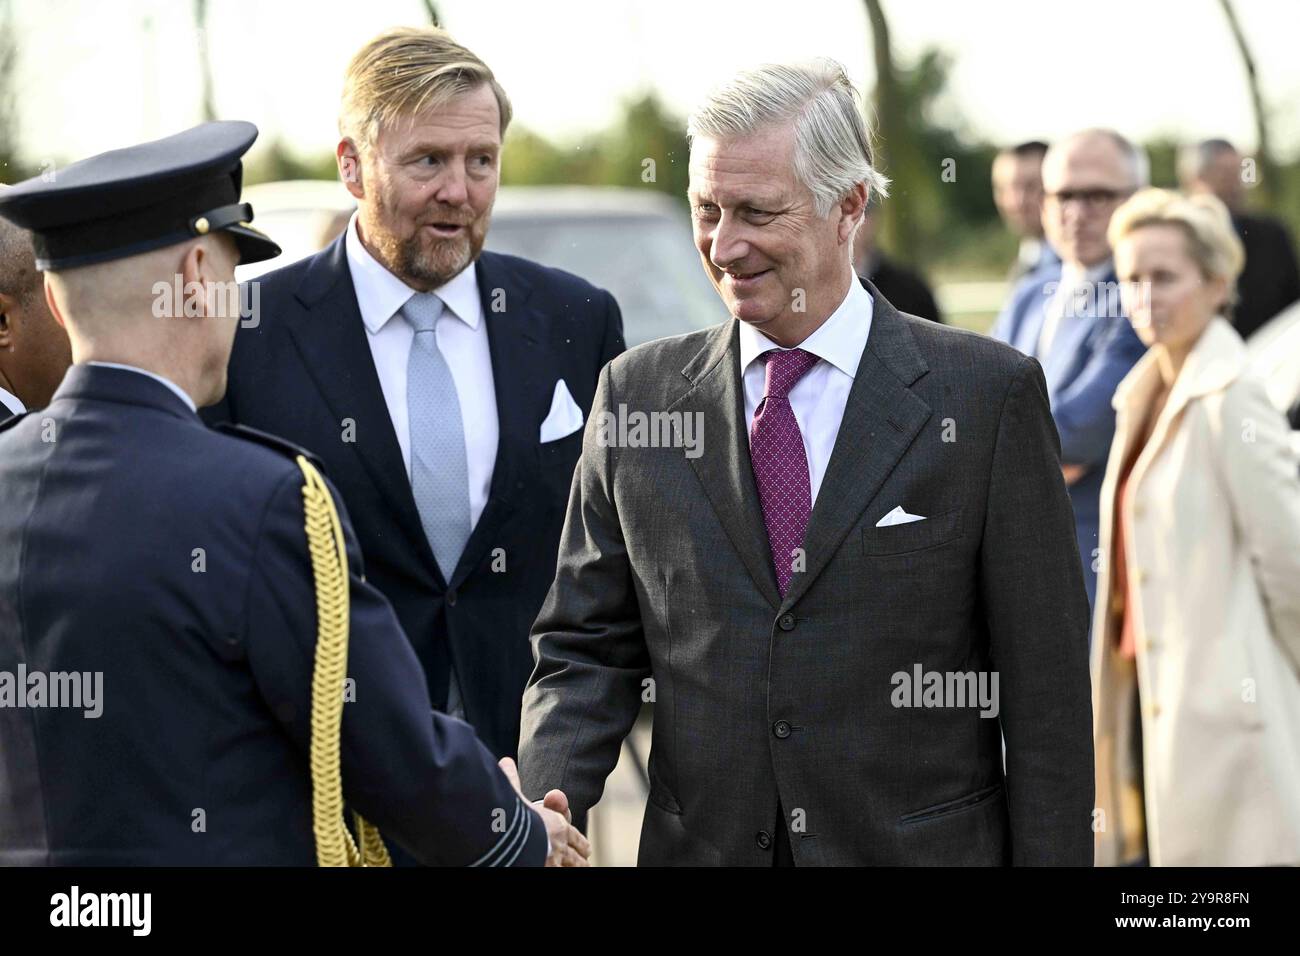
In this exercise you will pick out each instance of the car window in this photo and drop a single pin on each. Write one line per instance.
(648, 262)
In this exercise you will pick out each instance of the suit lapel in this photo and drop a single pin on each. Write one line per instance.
(881, 420)
(332, 340)
(724, 468)
(1030, 329)
(524, 370)
(1070, 350)
(1215, 361)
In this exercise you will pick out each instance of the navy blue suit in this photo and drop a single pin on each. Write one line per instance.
(307, 367)
(200, 755)
(1087, 359)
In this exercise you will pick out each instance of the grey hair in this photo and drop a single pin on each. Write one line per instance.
(1134, 156)
(833, 150)
(1194, 158)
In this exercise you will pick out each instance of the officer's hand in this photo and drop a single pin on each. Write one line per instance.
(568, 846)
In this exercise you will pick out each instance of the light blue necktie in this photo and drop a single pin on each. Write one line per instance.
(439, 464)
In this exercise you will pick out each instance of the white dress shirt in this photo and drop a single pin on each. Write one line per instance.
(819, 398)
(1073, 278)
(10, 404)
(179, 392)
(462, 339)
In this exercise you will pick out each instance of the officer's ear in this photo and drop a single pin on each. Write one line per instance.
(194, 264)
(52, 305)
(348, 156)
(211, 258)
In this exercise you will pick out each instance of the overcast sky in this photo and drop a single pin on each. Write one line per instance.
(96, 75)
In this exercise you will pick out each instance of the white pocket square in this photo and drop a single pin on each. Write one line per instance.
(898, 516)
(564, 418)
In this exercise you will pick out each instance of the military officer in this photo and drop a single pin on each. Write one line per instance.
(193, 669)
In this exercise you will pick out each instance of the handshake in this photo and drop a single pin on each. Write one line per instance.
(568, 846)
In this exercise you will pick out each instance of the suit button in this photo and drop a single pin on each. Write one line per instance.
(786, 622)
(781, 729)
(763, 839)
(451, 598)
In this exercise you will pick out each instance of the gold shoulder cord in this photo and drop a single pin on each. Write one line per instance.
(329, 565)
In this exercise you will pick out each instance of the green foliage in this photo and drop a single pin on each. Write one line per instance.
(646, 146)
(277, 162)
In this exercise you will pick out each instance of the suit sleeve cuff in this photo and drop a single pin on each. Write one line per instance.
(522, 843)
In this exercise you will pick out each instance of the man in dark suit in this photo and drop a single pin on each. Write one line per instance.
(857, 504)
(156, 573)
(903, 287)
(1270, 280)
(454, 449)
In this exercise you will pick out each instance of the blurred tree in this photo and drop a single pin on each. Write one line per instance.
(645, 147)
(896, 154)
(1162, 152)
(1268, 182)
(529, 159)
(940, 199)
(277, 162)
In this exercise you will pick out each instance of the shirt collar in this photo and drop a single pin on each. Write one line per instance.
(380, 294)
(1215, 361)
(1073, 274)
(1031, 251)
(839, 340)
(11, 402)
(180, 392)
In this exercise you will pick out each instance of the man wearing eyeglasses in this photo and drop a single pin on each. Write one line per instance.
(1069, 316)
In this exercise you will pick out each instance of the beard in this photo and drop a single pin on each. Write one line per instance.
(424, 261)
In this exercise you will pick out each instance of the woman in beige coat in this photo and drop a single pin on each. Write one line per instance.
(1196, 647)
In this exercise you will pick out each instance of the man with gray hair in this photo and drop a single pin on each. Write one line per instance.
(873, 526)
(34, 349)
(1069, 316)
(1270, 280)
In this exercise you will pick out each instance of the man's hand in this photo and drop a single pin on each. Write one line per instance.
(1072, 473)
(568, 846)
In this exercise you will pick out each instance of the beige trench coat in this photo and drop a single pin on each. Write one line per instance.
(1215, 556)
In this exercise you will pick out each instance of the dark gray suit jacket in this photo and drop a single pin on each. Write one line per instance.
(665, 587)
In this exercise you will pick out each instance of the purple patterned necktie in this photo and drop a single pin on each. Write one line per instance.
(780, 463)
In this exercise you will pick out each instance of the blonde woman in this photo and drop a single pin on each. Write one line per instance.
(1196, 655)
